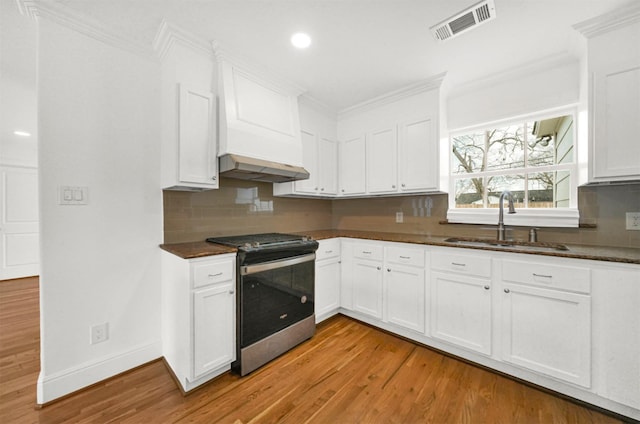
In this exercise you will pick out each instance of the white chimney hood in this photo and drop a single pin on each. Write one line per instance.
(259, 124)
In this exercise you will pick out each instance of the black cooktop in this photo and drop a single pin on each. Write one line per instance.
(259, 240)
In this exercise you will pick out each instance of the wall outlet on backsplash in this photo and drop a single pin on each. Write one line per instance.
(633, 221)
(399, 217)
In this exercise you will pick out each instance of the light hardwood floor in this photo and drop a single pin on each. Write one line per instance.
(348, 373)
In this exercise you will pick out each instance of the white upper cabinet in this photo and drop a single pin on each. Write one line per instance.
(319, 154)
(259, 114)
(614, 96)
(382, 161)
(352, 165)
(189, 118)
(417, 154)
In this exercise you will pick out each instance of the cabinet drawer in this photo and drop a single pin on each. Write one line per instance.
(477, 266)
(211, 273)
(367, 251)
(559, 277)
(404, 256)
(328, 249)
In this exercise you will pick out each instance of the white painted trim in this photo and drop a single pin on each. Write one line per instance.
(393, 96)
(168, 34)
(611, 21)
(50, 387)
(59, 13)
(565, 217)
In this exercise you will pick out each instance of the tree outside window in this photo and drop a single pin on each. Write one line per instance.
(532, 159)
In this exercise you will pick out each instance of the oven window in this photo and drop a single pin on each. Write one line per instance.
(275, 299)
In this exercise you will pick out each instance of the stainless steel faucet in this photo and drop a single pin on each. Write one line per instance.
(501, 229)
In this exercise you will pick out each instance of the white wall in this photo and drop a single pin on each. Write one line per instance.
(544, 84)
(99, 127)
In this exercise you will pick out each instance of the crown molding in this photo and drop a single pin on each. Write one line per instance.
(62, 15)
(431, 83)
(607, 22)
(169, 34)
(317, 105)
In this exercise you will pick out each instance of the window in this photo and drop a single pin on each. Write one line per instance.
(532, 158)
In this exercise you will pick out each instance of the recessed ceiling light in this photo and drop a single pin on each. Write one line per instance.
(22, 133)
(301, 40)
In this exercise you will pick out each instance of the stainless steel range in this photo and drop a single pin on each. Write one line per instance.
(275, 302)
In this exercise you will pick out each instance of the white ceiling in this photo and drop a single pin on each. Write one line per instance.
(361, 48)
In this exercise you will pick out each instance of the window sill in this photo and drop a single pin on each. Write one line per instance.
(564, 218)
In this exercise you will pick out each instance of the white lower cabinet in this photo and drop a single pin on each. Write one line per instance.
(461, 304)
(367, 287)
(198, 316)
(405, 287)
(545, 323)
(328, 275)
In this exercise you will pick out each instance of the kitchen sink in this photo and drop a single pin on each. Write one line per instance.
(508, 244)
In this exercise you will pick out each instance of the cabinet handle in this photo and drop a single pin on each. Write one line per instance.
(215, 275)
(328, 251)
(542, 276)
(507, 290)
(364, 252)
(405, 257)
(487, 287)
(458, 264)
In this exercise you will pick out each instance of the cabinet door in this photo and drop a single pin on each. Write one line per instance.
(213, 328)
(461, 311)
(197, 157)
(352, 165)
(405, 296)
(382, 161)
(418, 155)
(310, 163)
(616, 150)
(328, 166)
(327, 296)
(367, 287)
(548, 332)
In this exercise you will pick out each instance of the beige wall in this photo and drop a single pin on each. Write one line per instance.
(233, 209)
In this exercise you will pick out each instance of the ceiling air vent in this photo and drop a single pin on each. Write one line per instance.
(467, 19)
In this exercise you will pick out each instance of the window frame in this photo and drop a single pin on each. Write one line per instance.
(537, 217)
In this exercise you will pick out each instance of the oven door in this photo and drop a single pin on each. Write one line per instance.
(275, 295)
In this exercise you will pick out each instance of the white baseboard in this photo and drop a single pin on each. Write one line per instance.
(53, 386)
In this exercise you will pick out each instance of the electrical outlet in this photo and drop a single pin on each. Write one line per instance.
(633, 221)
(99, 333)
(399, 217)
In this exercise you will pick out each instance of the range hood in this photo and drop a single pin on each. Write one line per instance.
(259, 131)
(245, 168)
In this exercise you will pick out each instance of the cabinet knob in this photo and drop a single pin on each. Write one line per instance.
(388, 269)
(322, 189)
(403, 185)
(342, 190)
(231, 292)
(378, 268)
(316, 189)
(214, 178)
(507, 290)
(393, 186)
(487, 287)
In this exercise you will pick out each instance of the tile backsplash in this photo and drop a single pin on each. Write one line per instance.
(242, 207)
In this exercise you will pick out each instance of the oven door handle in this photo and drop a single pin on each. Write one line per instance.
(280, 263)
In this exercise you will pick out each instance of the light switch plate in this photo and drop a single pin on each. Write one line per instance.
(73, 195)
(633, 221)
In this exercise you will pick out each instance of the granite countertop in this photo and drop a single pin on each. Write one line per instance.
(630, 255)
(197, 249)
